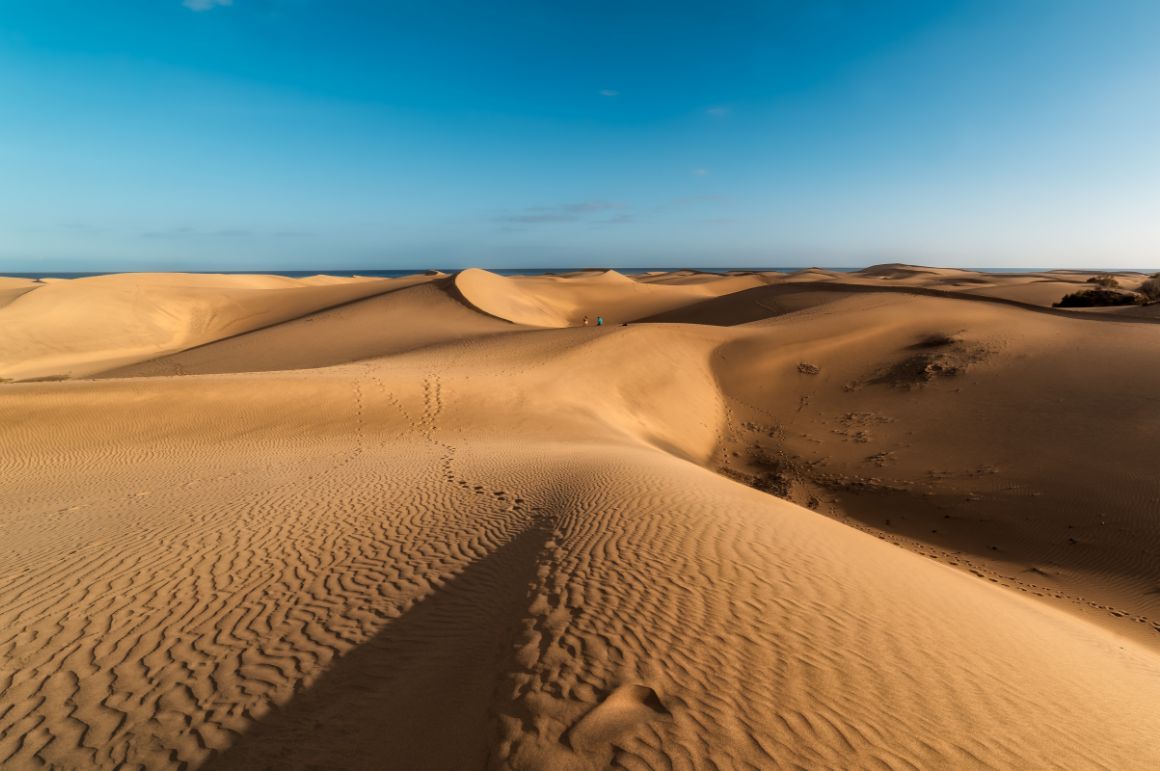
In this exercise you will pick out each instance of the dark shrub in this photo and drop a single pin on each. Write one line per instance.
(1151, 288)
(1091, 298)
(1105, 280)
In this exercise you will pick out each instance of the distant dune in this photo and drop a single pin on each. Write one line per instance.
(904, 517)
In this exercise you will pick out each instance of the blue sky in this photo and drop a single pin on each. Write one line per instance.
(286, 134)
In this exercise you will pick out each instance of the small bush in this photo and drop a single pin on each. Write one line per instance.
(1105, 280)
(1151, 288)
(1092, 298)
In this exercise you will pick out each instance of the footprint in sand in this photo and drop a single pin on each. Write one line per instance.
(626, 707)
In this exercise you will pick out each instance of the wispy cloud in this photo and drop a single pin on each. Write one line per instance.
(205, 5)
(609, 92)
(694, 200)
(83, 228)
(623, 218)
(188, 232)
(717, 111)
(568, 212)
(700, 172)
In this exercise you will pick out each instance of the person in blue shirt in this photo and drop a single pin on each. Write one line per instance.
(599, 321)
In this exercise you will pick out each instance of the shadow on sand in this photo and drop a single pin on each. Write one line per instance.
(416, 695)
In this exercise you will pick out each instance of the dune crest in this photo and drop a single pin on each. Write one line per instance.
(77, 327)
(563, 301)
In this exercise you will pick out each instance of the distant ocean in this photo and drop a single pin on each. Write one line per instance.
(396, 273)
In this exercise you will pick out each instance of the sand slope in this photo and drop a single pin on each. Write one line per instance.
(78, 327)
(402, 533)
(1002, 437)
(390, 322)
(561, 301)
(12, 288)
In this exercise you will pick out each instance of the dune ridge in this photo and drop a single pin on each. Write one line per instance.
(563, 301)
(441, 525)
(82, 326)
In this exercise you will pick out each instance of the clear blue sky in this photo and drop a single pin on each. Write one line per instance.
(210, 134)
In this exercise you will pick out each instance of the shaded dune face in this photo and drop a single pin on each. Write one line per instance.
(402, 532)
(80, 327)
(401, 319)
(559, 301)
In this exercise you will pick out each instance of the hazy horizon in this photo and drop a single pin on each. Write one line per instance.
(290, 135)
(535, 270)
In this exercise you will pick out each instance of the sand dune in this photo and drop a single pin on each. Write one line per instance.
(394, 321)
(989, 432)
(748, 305)
(432, 523)
(86, 325)
(562, 301)
(1042, 288)
(11, 288)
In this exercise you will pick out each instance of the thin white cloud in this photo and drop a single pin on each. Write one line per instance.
(700, 172)
(717, 111)
(568, 212)
(205, 5)
(693, 200)
(609, 92)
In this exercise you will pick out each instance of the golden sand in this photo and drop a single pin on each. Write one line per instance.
(435, 522)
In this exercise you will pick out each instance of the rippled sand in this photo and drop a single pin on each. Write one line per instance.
(903, 518)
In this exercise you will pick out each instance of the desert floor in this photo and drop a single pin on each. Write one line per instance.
(905, 517)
